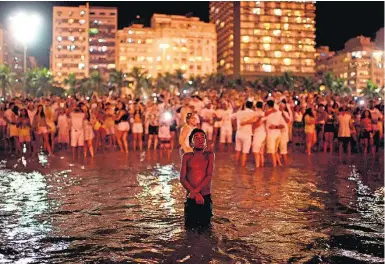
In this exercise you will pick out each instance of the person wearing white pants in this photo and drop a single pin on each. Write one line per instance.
(244, 132)
(226, 132)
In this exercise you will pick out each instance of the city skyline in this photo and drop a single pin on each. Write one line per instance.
(329, 32)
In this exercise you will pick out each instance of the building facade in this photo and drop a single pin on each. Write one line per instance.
(70, 44)
(83, 40)
(360, 61)
(171, 43)
(103, 23)
(264, 38)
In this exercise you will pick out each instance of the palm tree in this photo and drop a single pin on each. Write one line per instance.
(71, 82)
(85, 87)
(215, 80)
(41, 80)
(269, 83)
(96, 80)
(117, 80)
(287, 81)
(371, 90)
(139, 76)
(178, 79)
(6, 78)
(307, 84)
(27, 78)
(164, 81)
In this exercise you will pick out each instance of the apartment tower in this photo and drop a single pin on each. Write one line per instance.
(264, 38)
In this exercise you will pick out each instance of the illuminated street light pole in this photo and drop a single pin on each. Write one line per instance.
(23, 28)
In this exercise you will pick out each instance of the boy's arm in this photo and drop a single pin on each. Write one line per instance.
(209, 173)
(183, 174)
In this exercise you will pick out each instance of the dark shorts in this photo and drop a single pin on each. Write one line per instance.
(197, 215)
(298, 125)
(173, 127)
(366, 134)
(329, 128)
(153, 130)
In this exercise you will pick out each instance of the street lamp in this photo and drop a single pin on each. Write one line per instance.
(23, 28)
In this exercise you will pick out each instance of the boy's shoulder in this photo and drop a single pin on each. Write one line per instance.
(209, 154)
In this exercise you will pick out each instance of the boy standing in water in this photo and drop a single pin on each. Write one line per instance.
(195, 176)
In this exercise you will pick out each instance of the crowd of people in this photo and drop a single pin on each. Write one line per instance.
(259, 122)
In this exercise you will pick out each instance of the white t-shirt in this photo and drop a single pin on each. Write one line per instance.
(244, 115)
(31, 115)
(209, 115)
(285, 130)
(226, 119)
(261, 128)
(77, 121)
(219, 114)
(274, 119)
(375, 116)
(344, 125)
(198, 105)
(164, 131)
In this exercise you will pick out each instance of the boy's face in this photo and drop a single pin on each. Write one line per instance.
(199, 141)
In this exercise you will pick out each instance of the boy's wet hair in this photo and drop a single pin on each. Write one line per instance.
(195, 130)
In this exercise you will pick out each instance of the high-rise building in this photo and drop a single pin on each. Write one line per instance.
(70, 44)
(103, 23)
(359, 62)
(323, 54)
(171, 43)
(259, 38)
(83, 40)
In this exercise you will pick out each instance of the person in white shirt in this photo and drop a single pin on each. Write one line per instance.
(344, 130)
(259, 136)
(77, 131)
(274, 124)
(244, 133)
(207, 116)
(376, 116)
(287, 117)
(218, 112)
(226, 132)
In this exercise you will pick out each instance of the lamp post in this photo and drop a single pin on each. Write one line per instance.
(23, 27)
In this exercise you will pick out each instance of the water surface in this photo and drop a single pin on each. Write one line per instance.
(129, 209)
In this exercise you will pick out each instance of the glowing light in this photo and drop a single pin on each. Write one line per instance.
(167, 116)
(278, 12)
(24, 26)
(266, 67)
(362, 102)
(277, 54)
(287, 61)
(184, 91)
(164, 46)
(266, 46)
(276, 32)
(266, 39)
(246, 59)
(257, 11)
(245, 39)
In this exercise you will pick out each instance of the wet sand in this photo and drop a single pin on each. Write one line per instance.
(129, 209)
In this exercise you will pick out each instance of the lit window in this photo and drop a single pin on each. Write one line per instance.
(257, 31)
(276, 32)
(92, 49)
(129, 40)
(168, 57)
(70, 21)
(228, 65)
(246, 59)
(82, 21)
(278, 12)
(71, 38)
(287, 61)
(104, 48)
(266, 39)
(100, 40)
(257, 3)
(267, 26)
(150, 59)
(222, 62)
(81, 66)
(59, 47)
(266, 46)
(59, 65)
(158, 58)
(245, 39)
(277, 54)
(286, 26)
(257, 11)
(59, 38)
(222, 24)
(59, 73)
(148, 41)
(82, 57)
(287, 47)
(130, 32)
(266, 67)
(184, 67)
(217, 22)
(82, 13)
(307, 26)
(298, 19)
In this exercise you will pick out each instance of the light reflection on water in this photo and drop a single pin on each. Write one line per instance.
(112, 209)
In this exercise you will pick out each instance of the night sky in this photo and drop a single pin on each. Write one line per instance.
(336, 22)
